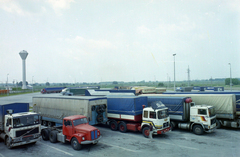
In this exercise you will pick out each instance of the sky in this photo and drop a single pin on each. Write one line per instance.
(72, 41)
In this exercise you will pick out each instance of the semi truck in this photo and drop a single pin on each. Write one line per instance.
(224, 104)
(70, 91)
(184, 114)
(52, 109)
(133, 113)
(52, 90)
(75, 129)
(18, 126)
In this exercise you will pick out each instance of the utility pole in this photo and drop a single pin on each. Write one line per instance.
(174, 70)
(230, 77)
(188, 71)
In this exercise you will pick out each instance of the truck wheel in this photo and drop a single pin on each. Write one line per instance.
(146, 132)
(45, 134)
(173, 126)
(197, 129)
(113, 125)
(8, 143)
(122, 127)
(53, 136)
(75, 144)
(218, 124)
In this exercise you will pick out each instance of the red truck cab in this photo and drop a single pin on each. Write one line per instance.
(76, 130)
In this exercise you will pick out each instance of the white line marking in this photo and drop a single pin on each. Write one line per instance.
(2, 155)
(57, 149)
(119, 147)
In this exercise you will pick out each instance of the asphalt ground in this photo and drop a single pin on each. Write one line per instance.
(223, 142)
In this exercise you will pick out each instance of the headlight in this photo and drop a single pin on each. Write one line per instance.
(83, 138)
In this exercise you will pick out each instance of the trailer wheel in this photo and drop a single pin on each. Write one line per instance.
(146, 132)
(197, 129)
(218, 124)
(75, 144)
(45, 134)
(113, 125)
(53, 136)
(122, 127)
(99, 109)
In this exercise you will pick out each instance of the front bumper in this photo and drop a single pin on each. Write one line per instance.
(162, 131)
(211, 130)
(93, 141)
(13, 144)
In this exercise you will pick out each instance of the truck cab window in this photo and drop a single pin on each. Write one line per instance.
(202, 111)
(153, 115)
(145, 114)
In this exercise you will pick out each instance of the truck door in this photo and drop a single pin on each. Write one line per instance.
(68, 129)
(8, 122)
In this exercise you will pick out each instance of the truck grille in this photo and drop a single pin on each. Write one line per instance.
(165, 125)
(24, 132)
(94, 135)
(213, 121)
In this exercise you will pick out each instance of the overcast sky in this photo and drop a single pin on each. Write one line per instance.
(117, 40)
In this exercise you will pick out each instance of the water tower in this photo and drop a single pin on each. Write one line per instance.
(23, 55)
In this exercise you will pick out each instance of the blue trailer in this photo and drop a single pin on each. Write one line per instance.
(132, 113)
(103, 92)
(52, 90)
(18, 126)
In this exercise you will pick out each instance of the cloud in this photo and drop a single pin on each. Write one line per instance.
(143, 30)
(12, 7)
(58, 5)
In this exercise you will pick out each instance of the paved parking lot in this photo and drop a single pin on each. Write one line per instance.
(223, 142)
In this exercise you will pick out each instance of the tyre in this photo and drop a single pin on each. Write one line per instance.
(173, 126)
(44, 123)
(99, 118)
(53, 136)
(45, 134)
(218, 124)
(75, 144)
(99, 110)
(113, 125)
(8, 143)
(49, 124)
(146, 132)
(197, 129)
(122, 127)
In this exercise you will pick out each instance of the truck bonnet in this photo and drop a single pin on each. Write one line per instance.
(84, 128)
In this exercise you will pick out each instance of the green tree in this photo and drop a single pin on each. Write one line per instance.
(235, 81)
(160, 84)
(115, 82)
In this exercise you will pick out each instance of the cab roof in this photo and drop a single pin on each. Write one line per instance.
(74, 117)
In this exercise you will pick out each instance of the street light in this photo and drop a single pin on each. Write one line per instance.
(230, 77)
(32, 83)
(174, 70)
(7, 85)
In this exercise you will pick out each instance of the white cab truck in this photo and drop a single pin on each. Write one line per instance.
(184, 114)
(17, 125)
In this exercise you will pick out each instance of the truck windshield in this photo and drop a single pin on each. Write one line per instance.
(211, 112)
(25, 121)
(163, 114)
(80, 121)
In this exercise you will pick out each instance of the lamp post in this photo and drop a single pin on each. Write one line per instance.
(7, 85)
(230, 77)
(32, 83)
(174, 70)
